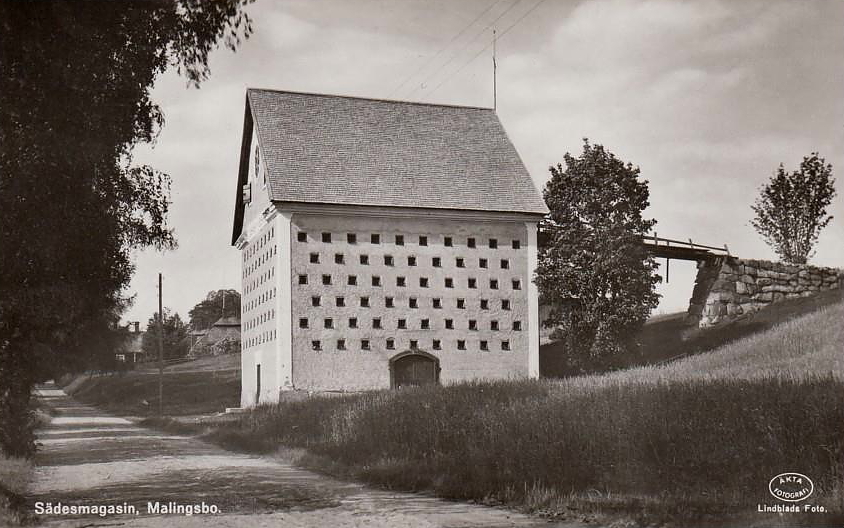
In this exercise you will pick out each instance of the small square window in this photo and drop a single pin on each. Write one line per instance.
(411, 261)
(484, 304)
(493, 243)
(341, 344)
(364, 260)
(447, 242)
(303, 279)
(423, 282)
(326, 280)
(423, 241)
(438, 303)
(493, 284)
(426, 324)
(326, 237)
(449, 282)
(461, 344)
(505, 304)
(376, 280)
(302, 236)
(517, 326)
(517, 284)
(399, 240)
(340, 302)
(484, 345)
(316, 345)
(364, 344)
(391, 344)
(303, 322)
(517, 244)
(351, 238)
(505, 264)
(460, 262)
(352, 280)
(461, 304)
(328, 323)
(353, 322)
(315, 301)
(449, 324)
(388, 260)
(376, 323)
(375, 238)
(414, 303)
(482, 263)
(436, 262)
(402, 324)
(505, 345)
(401, 282)
(314, 258)
(414, 344)
(470, 242)
(338, 258)
(473, 283)
(493, 325)
(473, 324)
(388, 302)
(436, 345)
(364, 302)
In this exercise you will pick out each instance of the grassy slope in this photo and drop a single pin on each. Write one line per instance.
(186, 391)
(690, 440)
(669, 336)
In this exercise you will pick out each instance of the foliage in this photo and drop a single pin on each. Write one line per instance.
(217, 304)
(75, 98)
(791, 208)
(174, 341)
(594, 271)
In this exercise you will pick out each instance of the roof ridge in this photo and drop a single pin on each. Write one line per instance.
(376, 99)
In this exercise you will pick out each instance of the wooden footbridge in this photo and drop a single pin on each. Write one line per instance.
(679, 250)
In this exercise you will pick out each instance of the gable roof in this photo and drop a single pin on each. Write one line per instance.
(345, 150)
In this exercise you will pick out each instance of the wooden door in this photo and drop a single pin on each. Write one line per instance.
(414, 370)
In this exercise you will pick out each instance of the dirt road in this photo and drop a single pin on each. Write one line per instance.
(89, 458)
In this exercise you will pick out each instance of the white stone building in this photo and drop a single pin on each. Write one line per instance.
(384, 244)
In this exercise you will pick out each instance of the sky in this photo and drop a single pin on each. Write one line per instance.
(707, 98)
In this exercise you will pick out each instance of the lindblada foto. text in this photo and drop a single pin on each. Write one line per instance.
(790, 508)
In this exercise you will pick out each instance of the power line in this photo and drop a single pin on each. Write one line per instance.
(458, 70)
(437, 54)
(481, 32)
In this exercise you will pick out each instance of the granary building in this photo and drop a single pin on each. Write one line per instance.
(383, 244)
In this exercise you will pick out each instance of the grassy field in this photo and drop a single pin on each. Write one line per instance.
(199, 390)
(690, 442)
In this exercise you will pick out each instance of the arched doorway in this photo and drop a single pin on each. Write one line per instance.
(413, 368)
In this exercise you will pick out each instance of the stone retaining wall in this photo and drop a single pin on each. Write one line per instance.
(727, 288)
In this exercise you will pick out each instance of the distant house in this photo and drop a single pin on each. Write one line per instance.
(222, 338)
(132, 351)
(383, 244)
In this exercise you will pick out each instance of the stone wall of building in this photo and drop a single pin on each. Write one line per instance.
(459, 293)
(728, 288)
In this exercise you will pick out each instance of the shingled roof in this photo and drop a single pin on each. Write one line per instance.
(346, 150)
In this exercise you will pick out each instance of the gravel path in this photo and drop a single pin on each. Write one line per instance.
(88, 458)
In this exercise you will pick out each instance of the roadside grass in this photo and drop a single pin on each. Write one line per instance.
(15, 475)
(689, 442)
(136, 393)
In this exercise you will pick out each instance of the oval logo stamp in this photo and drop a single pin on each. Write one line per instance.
(791, 487)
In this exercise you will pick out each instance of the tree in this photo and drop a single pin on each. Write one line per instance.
(75, 98)
(175, 335)
(217, 304)
(791, 208)
(594, 271)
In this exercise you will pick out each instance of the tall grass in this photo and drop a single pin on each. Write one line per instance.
(15, 475)
(698, 436)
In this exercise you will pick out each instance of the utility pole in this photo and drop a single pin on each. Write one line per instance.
(160, 351)
(494, 72)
